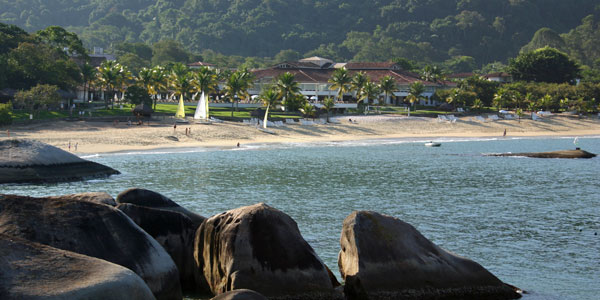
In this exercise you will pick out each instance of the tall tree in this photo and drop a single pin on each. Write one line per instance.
(415, 93)
(358, 83)
(270, 98)
(236, 87)
(340, 81)
(58, 37)
(112, 76)
(181, 80)
(370, 91)
(88, 74)
(387, 85)
(287, 87)
(544, 65)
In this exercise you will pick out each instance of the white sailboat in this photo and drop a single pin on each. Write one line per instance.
(201, 110)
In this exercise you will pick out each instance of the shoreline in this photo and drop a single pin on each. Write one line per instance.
(88, 138)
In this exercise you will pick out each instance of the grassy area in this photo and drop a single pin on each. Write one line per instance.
(161, 109)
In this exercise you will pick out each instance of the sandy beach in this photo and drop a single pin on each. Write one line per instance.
(87, 137)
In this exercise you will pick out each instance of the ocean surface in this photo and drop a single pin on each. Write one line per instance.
(534, 223)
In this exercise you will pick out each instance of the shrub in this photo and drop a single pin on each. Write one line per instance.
(5, 114)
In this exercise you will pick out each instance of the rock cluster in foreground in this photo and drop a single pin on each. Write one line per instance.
(27, 161)
(145, 246)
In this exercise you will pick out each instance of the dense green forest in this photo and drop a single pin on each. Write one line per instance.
(463, 34)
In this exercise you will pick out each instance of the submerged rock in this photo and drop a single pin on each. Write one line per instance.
(260, 248)
(148, 198)
(174, 232)
(578, 153)
(30, 270)
(385, 258)
(95, 230)
(27, 161)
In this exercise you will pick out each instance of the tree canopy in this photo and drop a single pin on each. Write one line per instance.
(544, 65)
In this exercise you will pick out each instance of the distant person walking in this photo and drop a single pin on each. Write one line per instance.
(7, 133)
(504, 132)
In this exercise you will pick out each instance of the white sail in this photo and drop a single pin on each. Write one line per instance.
(201, 108)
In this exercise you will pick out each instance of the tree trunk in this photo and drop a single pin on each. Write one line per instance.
(266, 117)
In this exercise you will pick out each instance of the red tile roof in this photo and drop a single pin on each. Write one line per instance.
(371, 66)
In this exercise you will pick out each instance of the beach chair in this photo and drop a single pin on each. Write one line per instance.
(460, 110)
(290, 121)
(443, 118)
(246, 122)
(480, 118)
(306, 122)
(451, 118)
(508, 117)
(534, 116)
(493, 118)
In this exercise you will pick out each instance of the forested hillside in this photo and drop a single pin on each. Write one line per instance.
(468, 32)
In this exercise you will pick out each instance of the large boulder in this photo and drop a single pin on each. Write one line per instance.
(174, 232)
(96, 197)
(241, 294)
(148, 198)
(95, 230)
(260, 248)
(34, 271)
(27, 161)
(385, 258)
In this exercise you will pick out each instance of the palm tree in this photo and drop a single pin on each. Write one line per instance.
(358, 83)
(340, 80)
(415, 93)
(205, 80)
(308, 110)
(88, 74)
(159, 82)
(387, 85)
(545, 102)
(370, 90)
(269, 97)
(112, 76)
(237, 86)
(431, 73)
(328, 105)
(181, 80)
(287, 88)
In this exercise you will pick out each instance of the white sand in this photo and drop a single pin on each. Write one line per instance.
(100, 137)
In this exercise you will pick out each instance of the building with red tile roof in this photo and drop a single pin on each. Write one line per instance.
(313, 76)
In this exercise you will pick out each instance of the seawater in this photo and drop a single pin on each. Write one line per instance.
(534, 223)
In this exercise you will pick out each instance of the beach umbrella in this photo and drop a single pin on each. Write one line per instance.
(180, 109)
(142, 110)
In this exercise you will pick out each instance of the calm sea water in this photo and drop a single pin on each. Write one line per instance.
(531, 222)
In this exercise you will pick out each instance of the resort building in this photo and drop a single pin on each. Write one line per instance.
(313, 76)
(200, 64)
(501, 77)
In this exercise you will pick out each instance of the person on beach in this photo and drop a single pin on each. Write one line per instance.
(504, 132)
(7, 133)
(238, 144)
(69, 145)
(174, 127)
(76, 146)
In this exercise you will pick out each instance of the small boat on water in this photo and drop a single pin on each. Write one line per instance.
(432, 144)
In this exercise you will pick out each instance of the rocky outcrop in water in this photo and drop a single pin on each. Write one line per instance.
(553, 154)
(242, 294)
(260, 248)
(27, 161)
(91, 229)
(385, 258)
(174, 232)
(34, 271)
(148, 198)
